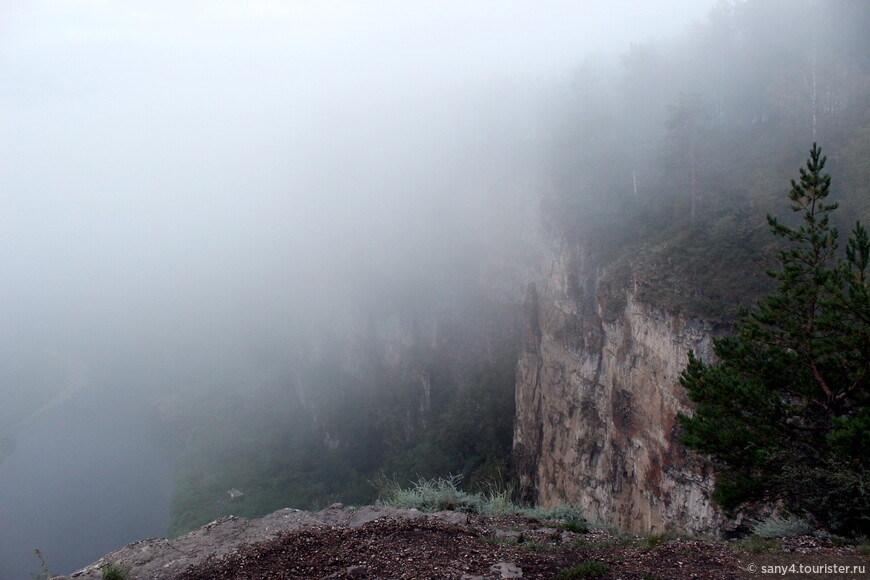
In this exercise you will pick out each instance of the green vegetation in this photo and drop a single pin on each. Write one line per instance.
(784, 411)
(283, 452)
(44, 573)
(590, 569)
(655, 540)
(755, 544)
(619, 540)
(432, 495)
(444, 493)
(563, 511)
(576, 526)
(789, 527)
(271, 455)
(112, 571)
(539, 547)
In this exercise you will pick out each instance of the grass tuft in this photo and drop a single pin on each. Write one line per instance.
(444, 493)
(590, 569)
(755, 544)
(112, 571)
(576, 526)
(790, 527)
(430, 495)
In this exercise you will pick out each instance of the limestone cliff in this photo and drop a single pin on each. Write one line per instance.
(597, 397)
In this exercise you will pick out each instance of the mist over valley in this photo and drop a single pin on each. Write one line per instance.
(307, 252)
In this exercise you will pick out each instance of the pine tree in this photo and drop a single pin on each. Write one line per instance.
(784, 412)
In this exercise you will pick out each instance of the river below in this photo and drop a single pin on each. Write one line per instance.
(87, 476)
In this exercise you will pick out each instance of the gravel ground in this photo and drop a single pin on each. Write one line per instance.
(380, 543)
(429, 547)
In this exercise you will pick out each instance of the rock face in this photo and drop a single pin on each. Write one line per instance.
(597, 398)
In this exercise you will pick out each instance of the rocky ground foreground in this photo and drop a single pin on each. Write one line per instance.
(372, 543)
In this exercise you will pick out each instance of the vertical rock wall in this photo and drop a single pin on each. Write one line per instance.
(597, 398)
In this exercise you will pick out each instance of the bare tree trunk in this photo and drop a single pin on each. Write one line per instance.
(694, 192)
(814, 98)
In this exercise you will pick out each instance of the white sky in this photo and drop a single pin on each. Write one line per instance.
(505, 34)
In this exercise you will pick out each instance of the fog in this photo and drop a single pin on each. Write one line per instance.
(178, 172)
(185, 183)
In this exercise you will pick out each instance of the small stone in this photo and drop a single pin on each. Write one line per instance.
(507, 570)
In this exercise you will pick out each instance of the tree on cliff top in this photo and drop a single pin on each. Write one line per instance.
(784, 412)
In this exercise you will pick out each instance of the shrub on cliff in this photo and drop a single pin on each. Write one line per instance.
(788, 527)
(444, 493)
(112, 571)
(784, 413)
(430, 495)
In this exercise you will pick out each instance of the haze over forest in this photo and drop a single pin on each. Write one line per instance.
(212, 213)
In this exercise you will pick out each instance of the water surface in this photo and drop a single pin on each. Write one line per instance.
(87, 476)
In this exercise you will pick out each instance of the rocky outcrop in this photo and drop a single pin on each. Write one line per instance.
(374, 542)
(160, 558)
(598, 395)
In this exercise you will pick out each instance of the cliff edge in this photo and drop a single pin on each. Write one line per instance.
(340, 543)
(598, 394)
